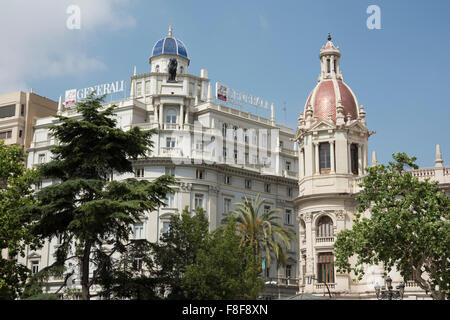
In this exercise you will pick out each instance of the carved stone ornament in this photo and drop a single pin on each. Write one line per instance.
(184, 186)
(340, 215)
(308, 217)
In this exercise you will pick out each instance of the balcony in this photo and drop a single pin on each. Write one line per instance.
(324, 240)
(319, 286)
(283, 281)
(171, 152)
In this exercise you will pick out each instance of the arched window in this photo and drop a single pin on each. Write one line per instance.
(157, 68)
(328, 65)
(325, 227)
(171, 116)
(181, 69)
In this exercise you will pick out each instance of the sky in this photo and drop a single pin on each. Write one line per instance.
(400, 72)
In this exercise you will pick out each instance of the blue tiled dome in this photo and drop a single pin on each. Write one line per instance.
(170, 45)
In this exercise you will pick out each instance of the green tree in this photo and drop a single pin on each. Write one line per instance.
(224, 269)
(262, 231)
(401, 222)
(178, 249)
(15, 193)
(88, 210)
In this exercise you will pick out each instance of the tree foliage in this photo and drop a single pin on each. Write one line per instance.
(225, 269)
(15, 193)
(88, 210)
(407, 226)
(262, 231)
(178, 249)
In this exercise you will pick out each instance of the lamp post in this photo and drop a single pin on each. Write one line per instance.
(389, 294)
(310, 278)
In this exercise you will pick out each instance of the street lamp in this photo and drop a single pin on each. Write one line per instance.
(389, 294)
(310, 278)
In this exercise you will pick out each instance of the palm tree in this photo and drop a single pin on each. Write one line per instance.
(262, 231)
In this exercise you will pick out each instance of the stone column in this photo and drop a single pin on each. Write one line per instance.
(332, 156)
(359, 160)
(181, 120)
(309, 251)
(300, 164)
(316, 160)
(349, 157)
(161, 122)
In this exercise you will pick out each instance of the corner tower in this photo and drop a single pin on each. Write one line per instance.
(333, 153)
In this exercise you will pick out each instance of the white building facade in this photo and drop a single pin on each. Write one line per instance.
(219, 154)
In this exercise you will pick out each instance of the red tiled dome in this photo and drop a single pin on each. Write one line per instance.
(323, 100)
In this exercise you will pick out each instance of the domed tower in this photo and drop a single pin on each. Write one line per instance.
(333, 139)
(166, 49)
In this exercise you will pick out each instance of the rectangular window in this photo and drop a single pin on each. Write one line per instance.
(248, 184)
(137, 264)
(138, 230)
(170, 142)
(288, 271)
(266, 187)
(138, 89)
(8, 111)
(289, 192)
(22, 110)
(5, 135)
(34, 267)
(198, 201)
(200, 174)
(266, 209)
(41, 158)
(139, 172)
(170, 200)
(227, 180)
(325, 267)
(288, 165)
(170, 171)
(324, 157)
(226, 205)
(147, 87)
(245, 135)
(166, 227)
(288, 216)
(354, 158)
(20, 133)
(328, 65)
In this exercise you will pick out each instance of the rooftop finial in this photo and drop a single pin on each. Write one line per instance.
(170, 30)
(329, 36)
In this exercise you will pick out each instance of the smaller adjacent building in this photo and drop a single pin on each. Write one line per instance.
(18, 114)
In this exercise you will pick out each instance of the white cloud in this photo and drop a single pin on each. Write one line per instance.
(37, 43)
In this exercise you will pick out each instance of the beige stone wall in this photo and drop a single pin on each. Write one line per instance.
(35, 107)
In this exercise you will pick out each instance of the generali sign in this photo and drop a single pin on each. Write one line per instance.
(74, 95)
(227, 94)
